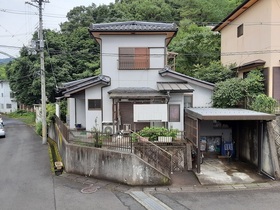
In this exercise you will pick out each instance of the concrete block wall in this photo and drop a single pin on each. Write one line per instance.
(126, 168)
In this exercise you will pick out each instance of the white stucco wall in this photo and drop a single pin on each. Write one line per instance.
(132, 78)
(202, 96)
(93, 117)
(7, 104)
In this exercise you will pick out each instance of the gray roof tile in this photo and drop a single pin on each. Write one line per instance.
(134, 26)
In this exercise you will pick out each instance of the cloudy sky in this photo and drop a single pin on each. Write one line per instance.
(19, 20)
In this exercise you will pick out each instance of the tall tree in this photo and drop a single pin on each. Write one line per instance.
(195, 45)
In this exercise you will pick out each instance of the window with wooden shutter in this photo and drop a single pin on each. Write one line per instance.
(134, 58)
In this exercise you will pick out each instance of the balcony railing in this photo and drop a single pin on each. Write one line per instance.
(133, 65)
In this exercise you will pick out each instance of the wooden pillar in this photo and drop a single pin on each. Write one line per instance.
(198, 159)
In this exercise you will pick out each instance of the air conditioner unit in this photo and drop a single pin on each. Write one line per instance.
(108, 127)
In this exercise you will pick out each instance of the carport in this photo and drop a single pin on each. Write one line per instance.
(249, 130)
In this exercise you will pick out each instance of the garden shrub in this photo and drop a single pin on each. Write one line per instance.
(154, 132)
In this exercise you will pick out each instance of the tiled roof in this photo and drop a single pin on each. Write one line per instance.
(82, 84)
(134, 26)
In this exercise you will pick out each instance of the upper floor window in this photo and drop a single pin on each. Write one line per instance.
(240, 30)
(12, 95)
(134, 58)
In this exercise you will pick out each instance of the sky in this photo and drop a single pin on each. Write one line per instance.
(19, 20)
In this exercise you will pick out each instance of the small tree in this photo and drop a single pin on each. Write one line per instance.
(229, 93)
(237, 92)
(263, 103)
(214, 72)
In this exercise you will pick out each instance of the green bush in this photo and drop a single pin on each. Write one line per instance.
(39, 128)
(154, 132)
(264, 103)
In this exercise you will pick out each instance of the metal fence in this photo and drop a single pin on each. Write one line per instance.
(102, 140)
(154, 155)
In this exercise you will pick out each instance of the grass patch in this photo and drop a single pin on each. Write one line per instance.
(24, 116)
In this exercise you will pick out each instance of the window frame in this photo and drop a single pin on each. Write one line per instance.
(240, 30)
(174, 113)
(134, 58)
(97, 104)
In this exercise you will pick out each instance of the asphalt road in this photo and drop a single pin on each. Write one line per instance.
(258, 199)
(25, 176)
(27, 183)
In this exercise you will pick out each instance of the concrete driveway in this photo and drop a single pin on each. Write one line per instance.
(223, 171)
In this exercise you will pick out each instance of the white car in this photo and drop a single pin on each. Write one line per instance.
(2, 130)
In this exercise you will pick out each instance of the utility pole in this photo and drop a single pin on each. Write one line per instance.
(43, 78)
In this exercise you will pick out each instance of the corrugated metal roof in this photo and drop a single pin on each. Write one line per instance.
(133, 26)
(167, 71)
(228, 114)
(174, 87)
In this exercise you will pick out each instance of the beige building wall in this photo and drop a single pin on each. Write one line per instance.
(260, 39)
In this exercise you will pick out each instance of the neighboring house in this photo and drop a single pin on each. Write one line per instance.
(136, 88)
(250, 39)
(8, 102)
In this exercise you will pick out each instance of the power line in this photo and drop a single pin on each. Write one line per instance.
(18, 12)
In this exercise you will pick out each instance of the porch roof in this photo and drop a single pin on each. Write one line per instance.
(174, 87)
(167, 71)
(136, 92)
(250, 65)
(228, 114)
(79, 85)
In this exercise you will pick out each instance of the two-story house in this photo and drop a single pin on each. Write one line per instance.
(250, 39)
(135, 89)
(7, 99)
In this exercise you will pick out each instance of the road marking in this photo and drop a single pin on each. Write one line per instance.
(149, 201)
